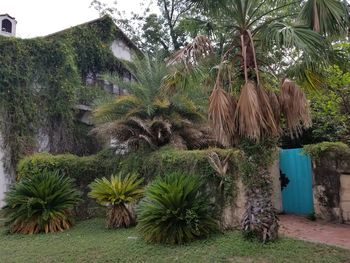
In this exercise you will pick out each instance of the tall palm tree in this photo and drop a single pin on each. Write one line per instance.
(242, 104)
(152, 113)
(327, 17)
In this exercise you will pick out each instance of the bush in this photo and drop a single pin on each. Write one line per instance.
(148, 165)
(41, 204)
(82, 169)
(116, 194)
(175, 211)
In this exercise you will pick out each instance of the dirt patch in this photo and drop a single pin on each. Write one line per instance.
(315, 231)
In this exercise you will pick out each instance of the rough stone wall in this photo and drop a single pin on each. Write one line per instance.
(331, 188)
(233, 213)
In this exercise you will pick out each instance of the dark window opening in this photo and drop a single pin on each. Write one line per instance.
(6, 26)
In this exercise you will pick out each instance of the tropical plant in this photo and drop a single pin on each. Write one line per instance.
(117, 194)
(259, 41)
(148, 114)
(175, 210)
(328, 17)
(41, 204)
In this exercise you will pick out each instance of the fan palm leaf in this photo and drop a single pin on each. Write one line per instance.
(327, 17)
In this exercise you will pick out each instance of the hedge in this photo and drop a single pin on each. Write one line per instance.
(147, 164)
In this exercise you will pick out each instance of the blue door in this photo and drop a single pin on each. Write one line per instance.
(296, 177)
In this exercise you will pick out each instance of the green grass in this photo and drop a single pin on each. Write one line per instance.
(89, 241)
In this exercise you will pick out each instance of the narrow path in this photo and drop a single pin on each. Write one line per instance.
(315, 231)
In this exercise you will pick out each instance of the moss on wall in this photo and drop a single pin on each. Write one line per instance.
(41, 80)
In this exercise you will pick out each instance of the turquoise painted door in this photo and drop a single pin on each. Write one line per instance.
(295, 168)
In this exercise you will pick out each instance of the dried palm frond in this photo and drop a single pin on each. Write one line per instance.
(267, 112)
(249, 116)
(192, 52)
(197, 137)
(275, 106)
(220, 166)
(178, 142)
(222, 108)
(294, 107)
(161, 131)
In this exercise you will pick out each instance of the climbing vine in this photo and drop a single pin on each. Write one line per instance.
(42, 79)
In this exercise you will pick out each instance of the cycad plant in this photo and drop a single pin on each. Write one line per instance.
(148, 114)
(175, 210)
(117, 194)
(41, 204)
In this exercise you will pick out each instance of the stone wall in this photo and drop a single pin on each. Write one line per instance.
(233, 213)
(331, 187)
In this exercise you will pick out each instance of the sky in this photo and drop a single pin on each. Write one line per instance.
(43, 17)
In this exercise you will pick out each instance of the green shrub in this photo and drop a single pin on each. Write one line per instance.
(175, 211)
(148, 165)
(41, 204)
(316, 151)
(116, 194)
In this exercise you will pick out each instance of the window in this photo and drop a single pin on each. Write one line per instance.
(6, 26)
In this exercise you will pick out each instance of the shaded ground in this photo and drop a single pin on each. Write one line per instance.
(315, 231)
(89, 241)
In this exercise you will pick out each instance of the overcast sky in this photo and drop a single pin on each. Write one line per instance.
(42, 17)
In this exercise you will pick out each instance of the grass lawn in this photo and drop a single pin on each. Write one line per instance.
(89, 241)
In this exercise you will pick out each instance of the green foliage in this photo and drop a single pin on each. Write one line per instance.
(329, 106)
(90, 241)
(151, 114)
(41, 80)
(41, 204)
(257, 157)
(316, 151)
(116, 194)
(175, 211)
(118, 190)
(330, 19)
(148, 165)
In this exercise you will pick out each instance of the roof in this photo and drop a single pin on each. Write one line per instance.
(122, 34)
(8, 16)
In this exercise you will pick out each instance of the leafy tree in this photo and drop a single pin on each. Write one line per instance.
(116, 194)
(153, 32)
(330, 107)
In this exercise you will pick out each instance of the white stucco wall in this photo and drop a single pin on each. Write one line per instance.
(3, 177)
(121, 50)
(14, 24)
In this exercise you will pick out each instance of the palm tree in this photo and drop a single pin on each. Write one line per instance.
(327, 17)
(153, 113)
(243, 106)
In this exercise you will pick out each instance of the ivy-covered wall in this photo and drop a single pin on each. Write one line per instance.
(41, 80)
(331, 180)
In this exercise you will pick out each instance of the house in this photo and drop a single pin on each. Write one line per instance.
(8, 25)
(119, 46)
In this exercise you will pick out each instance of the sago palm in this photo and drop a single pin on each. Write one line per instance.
(116, 194)
(41, 204)
(147, 115)
(175, 210)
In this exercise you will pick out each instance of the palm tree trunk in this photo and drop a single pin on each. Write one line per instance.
(315, 17)
(119, 216)
(260, 219)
